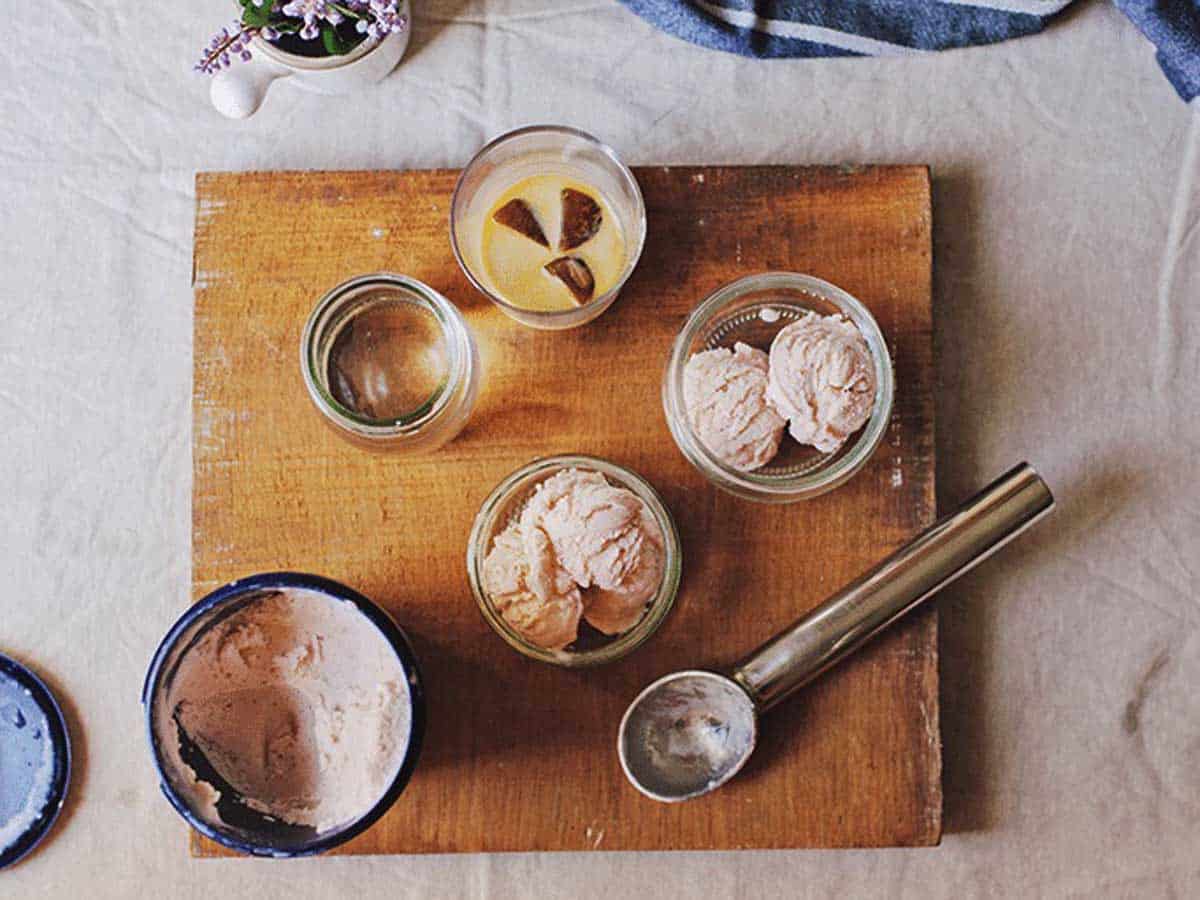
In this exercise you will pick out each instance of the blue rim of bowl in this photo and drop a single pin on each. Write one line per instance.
(391, 632)
(60, 780)
(597, 304)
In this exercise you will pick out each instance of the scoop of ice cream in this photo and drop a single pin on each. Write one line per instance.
(605, 538)
(530, 590)
(581, 547)
(616, 609)
(593, 527)
(822, 380)
(724, 392)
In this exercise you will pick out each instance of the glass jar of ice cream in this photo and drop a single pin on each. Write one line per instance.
(574, 560)
(779, 387)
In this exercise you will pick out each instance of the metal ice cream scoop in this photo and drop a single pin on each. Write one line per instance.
(690, 732)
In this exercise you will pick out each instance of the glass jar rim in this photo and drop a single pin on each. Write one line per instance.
(600, 302)
(779, 488)
(453, 329)
(483, 530)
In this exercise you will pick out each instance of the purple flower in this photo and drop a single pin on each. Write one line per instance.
(376, 19)
(227, 43)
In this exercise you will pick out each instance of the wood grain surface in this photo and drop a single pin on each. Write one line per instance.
(520, 755)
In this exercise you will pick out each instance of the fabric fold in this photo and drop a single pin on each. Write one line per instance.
(820, 28)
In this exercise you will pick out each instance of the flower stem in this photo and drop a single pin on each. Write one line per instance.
(348, 12)
(209, 62)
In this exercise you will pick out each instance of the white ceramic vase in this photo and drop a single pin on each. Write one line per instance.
(238, 91)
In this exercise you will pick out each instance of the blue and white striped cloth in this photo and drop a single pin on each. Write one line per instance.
(789, 28)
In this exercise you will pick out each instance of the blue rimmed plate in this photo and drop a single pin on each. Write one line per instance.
(35, 760)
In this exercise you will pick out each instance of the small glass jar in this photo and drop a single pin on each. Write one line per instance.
(544, 150)
(390, 363)
(753, 310)
(505, 503)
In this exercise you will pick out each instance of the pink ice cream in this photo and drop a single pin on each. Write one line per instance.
(296, 700)
(581, 544)
(617, 609)
(725, 394)
(531, 593)
(595, 528)
(822, 379)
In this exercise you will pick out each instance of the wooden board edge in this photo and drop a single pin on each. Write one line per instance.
(931, 835)
(208, 181)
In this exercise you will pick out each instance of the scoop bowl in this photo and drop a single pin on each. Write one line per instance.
(687, 734)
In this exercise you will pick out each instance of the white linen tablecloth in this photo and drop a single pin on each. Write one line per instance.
(1067, 222)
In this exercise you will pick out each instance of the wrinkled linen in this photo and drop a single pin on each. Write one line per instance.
(1066, 270)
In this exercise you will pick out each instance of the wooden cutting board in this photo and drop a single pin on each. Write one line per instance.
(520, 755)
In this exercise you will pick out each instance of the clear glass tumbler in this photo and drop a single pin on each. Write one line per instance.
(544, 150)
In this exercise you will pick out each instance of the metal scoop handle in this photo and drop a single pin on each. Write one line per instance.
(895, 587)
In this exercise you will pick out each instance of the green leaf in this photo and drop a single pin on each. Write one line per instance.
(334, 45)
(256, 14)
